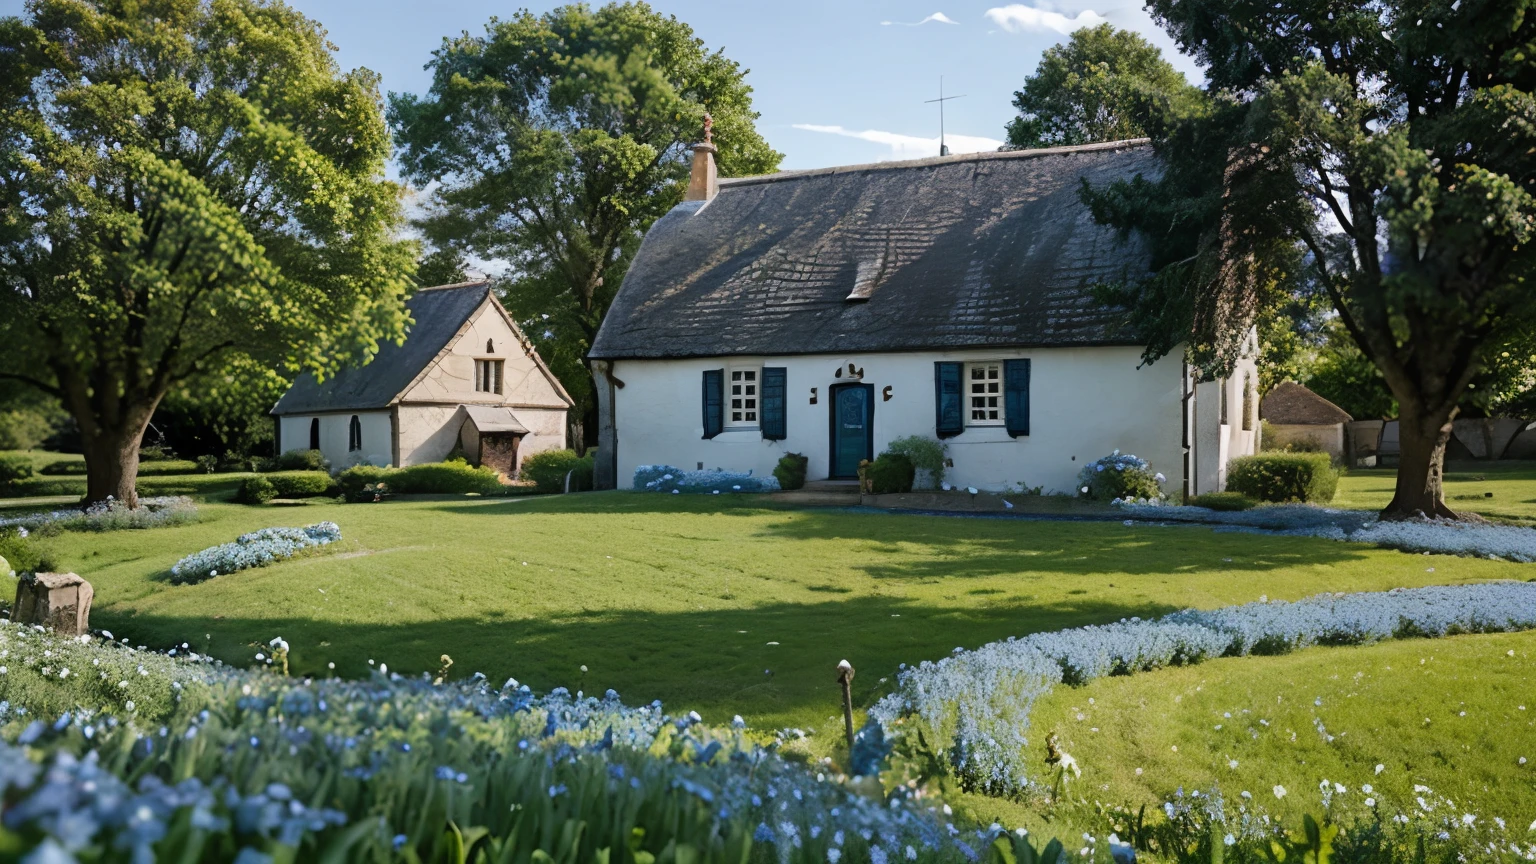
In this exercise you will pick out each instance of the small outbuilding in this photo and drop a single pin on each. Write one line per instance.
(465, 377)
(1297, 416)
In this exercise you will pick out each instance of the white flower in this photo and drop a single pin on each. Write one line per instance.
(1229, 840)
(1467, 819)
(1370, 802)
(1367, 789)
(1279, 791)
(1380, 768)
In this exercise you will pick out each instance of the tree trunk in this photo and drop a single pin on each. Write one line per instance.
(1420, 491)
(112, 460)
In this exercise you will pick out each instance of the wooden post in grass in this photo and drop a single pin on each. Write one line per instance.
(845, 678)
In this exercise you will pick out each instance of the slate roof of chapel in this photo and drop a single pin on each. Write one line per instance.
(979, 250)
(437, 314)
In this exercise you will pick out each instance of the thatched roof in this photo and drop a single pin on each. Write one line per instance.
(1290, 404)
(437, 315)
(990, 249)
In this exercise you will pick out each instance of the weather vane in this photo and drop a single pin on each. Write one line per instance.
(943, 148)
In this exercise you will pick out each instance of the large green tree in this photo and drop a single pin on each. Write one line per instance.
(553, 141)
(185, 186)
(1385, 152)
(1103, 84)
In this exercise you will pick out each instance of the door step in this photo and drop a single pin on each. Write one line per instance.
(823, 493)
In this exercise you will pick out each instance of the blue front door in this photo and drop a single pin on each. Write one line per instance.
(852, 430)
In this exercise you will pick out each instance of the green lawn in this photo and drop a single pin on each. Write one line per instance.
(1505, 490)
(1454, 714)
(691, 600)
(734, 606)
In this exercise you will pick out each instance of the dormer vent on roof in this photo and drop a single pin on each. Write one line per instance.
(868, 276)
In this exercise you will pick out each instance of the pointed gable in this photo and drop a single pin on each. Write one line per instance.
(437, 316)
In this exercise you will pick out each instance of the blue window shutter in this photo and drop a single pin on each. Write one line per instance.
(1016, 397)
(714, 402)
(949, 416)
(773, 402)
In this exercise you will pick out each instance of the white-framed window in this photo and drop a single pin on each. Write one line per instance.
(743, 386)
(984, 394)
(488, 375)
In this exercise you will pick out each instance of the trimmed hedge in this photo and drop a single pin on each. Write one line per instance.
(154, 468)
(790, 472)
(435, 478)
(890, 472)
(1223, 501)
(255, 490)
(1281, 477)
(547, 469)
(301, 484)
(444, 478)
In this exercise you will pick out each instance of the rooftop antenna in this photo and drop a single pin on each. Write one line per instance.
(943, 148)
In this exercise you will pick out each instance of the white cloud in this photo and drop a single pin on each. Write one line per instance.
(908, 146)
(1018, 18)
(935, 18)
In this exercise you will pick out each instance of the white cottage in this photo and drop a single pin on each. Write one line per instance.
(828, 312)
(465, 376)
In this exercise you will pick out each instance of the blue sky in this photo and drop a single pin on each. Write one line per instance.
(834, 82)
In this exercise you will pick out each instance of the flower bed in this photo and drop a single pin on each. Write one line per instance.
(111, 515)
(976, 704)
(255, 549)
(405, 769)
(665, 478)
(1507, 542)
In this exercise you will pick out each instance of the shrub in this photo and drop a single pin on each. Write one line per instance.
(927, 454)
(665, 478)
(790, 472)
(256, 549)
(14, 470)
(1119, 477)
(890, 472)
(255, 490)
(300, 460)
(330, 769)
(301, 484)
(357, 483)
(1280, 477)
(207, 463)
(20, 554)
(63, 468)
(547, 469)
(24, 428)
(443, 478)
(1224, 501)
(155, 453)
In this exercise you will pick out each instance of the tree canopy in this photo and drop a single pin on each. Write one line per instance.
(553, 141)
(185, 185)
(1103, 84)
(1382, 154)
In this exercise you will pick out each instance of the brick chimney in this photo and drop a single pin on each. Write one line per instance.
(702, 185)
